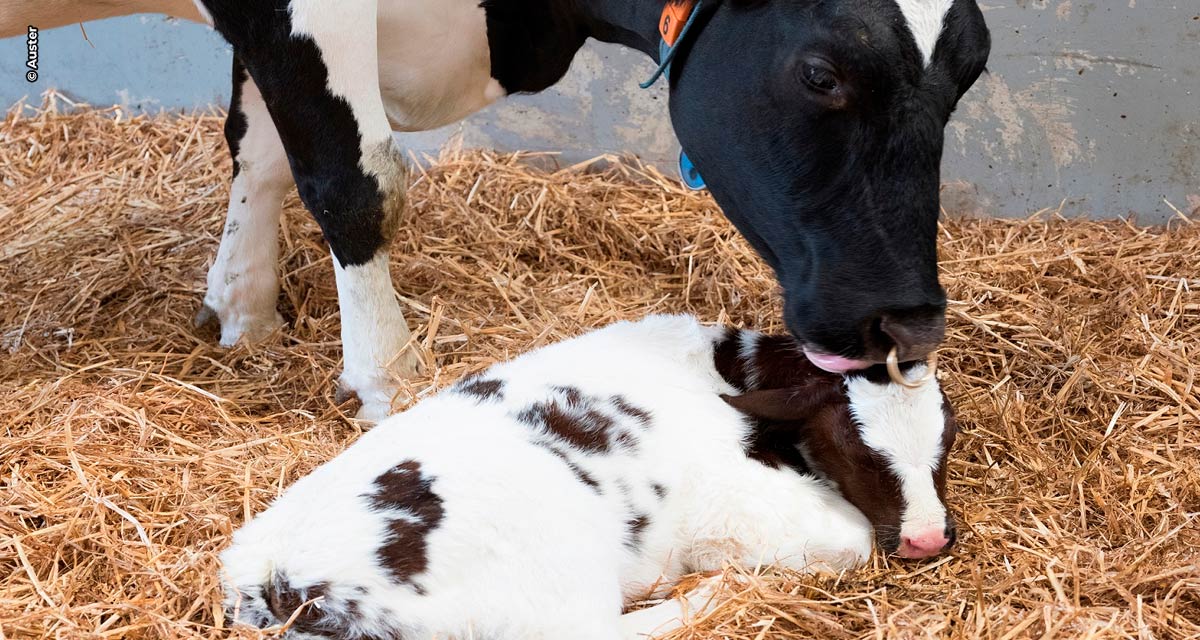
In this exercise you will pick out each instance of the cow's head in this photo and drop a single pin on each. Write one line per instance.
(818, 126)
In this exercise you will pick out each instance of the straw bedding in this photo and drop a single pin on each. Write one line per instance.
(131, 445)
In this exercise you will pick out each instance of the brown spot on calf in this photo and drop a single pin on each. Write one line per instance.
(573, 419)
(581, 475)
(284, 600)
(314, 614)
(639, 415)
(779, 362)
(406, 490)
(636, 526)
(482, 389)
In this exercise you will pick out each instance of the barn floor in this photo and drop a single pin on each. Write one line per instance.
(131, 445)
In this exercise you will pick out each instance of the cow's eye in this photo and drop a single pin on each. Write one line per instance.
(819, 76)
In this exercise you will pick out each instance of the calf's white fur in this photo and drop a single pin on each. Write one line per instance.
(537, 499)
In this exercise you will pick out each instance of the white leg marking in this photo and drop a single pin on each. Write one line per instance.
(925, 20)
(373, 333)
(373, 328)
(243, 285)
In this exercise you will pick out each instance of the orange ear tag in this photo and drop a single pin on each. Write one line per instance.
(674, 17)
(677, 17)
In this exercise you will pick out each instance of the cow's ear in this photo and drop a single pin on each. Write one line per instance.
(788, 404)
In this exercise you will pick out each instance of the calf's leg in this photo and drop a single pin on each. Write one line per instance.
(672, 614)
(315, 63)
(243, 284)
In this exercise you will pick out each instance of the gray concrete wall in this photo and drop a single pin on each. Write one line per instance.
(1094, 105)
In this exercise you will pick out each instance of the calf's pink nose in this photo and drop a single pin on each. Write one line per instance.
(923, 545)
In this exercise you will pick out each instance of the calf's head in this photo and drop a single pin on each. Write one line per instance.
(884, 447)
(818, 126)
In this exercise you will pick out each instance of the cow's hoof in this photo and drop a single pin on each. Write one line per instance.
(376, 390)
(374, 404)
(344, 394)
(204, 317)
(373, 412)
(236, 326)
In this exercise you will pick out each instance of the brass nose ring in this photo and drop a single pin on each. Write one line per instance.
(893, 367)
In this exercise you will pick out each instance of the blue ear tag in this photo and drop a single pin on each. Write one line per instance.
(687, 171)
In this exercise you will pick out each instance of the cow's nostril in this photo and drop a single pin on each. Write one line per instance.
(915, 332)
(951, 536)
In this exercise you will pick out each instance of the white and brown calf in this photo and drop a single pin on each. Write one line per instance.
(536, 499)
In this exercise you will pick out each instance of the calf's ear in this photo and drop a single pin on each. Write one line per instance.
(789, 403)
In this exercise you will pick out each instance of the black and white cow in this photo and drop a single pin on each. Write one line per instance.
(536, 499)
(817, 124)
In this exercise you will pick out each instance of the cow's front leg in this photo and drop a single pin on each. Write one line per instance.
(316, 66)
(243, 282)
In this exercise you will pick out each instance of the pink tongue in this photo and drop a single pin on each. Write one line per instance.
(835, 364)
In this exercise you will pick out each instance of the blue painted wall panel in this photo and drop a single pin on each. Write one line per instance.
(146, 62)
